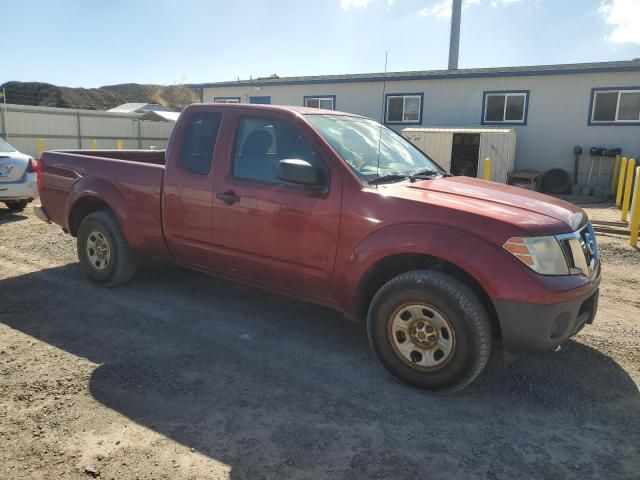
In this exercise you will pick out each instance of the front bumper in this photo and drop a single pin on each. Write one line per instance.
(26, 189)
(527, 327)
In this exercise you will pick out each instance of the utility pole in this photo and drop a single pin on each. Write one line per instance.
(454, 42)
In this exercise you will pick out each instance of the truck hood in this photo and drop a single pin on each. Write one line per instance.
(512, 204)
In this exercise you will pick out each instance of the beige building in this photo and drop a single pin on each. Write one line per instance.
(552, 108)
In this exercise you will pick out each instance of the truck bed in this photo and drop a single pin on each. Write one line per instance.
(132, 178)
(155, 157)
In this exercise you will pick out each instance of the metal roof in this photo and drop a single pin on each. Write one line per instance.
(561, 69)
(127, 107)
(459, 129)
(137, 108)
(161, 116)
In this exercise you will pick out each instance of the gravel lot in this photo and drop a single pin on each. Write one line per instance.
(179, 375)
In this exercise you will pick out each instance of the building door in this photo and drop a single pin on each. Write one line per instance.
(465, 154)
(261, 100)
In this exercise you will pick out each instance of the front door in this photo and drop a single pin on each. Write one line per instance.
(188, 188)
(268, 231)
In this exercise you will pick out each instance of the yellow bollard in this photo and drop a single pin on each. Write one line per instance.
(94, 144)
(486, 173)
(614, 174)
(40, 143)
(119, 144)
(635, 212)
(623, 171)
(627, 189)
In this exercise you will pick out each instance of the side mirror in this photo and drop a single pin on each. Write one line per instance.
(301, 172)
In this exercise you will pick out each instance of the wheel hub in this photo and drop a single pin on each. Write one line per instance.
(102, 249)
(423, 334)
(98, 250)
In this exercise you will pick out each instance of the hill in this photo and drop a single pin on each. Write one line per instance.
(175, 97)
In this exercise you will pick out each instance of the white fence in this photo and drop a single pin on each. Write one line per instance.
(65, 128)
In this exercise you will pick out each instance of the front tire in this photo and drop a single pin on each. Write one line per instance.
(104, 254)
(430, 330)
(17, 206)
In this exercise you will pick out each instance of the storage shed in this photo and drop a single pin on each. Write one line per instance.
(461, 150)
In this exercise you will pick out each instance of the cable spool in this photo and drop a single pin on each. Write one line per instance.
(555, 181)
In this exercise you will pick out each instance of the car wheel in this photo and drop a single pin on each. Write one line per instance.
(430, 330)
(105, 257)
(17, 205)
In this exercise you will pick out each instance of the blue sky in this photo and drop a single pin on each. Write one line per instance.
(92, 43)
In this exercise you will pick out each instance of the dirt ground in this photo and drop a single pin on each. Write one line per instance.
(182, 376)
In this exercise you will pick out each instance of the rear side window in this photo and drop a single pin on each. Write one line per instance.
(198, 143)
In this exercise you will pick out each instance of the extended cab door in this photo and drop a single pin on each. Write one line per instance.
(188, 187)
(263, 229)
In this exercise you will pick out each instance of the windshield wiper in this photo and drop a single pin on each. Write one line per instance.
(426, 175)
(392, 177)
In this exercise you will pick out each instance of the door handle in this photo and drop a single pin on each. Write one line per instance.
(228, 197)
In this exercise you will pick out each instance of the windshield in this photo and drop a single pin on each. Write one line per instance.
(5, 147)
(358, 140)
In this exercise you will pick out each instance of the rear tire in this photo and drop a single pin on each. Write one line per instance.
(104, 254)
(17, 205)
(430, 330)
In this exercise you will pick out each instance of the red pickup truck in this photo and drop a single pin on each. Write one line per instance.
(339, 210)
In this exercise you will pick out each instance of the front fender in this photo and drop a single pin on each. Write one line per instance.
(469, 252)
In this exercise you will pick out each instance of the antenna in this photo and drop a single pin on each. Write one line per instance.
(382, 110)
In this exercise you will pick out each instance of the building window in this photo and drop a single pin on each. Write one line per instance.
(505, 107)
(615, 106)
(404, 108)
(226, 100)
(260, 100)
(326, 102)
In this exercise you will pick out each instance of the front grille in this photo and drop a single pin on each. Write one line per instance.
(581, 250)
(589, 244)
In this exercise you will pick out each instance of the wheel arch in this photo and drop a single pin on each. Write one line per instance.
(393, 265)
(82, 207)
(88, 195)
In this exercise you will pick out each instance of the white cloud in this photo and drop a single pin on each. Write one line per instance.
(442, 8)
(347, 4)
(623, 16)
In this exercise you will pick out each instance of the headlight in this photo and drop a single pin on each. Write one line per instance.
(542, 254)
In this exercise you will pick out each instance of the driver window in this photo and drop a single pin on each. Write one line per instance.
(262, 142)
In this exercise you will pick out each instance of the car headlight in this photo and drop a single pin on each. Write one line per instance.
(541, 254)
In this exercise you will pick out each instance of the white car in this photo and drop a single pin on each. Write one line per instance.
(18, 178)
